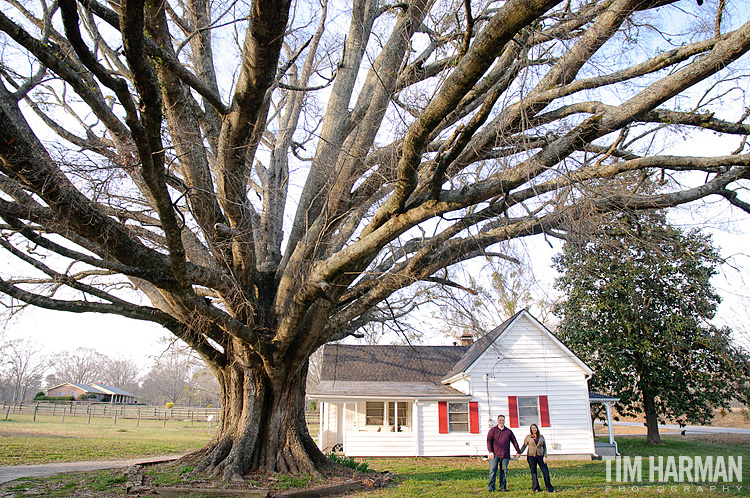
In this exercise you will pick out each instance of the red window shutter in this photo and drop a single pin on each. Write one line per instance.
(513, 411)
(544, 411)
(443, 417)
(474, 417)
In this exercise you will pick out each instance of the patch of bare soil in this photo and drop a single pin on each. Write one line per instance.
(174, 474)
(9, 433)
(114, 483)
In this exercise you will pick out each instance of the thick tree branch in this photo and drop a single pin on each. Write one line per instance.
(499, 30)
(168, 60)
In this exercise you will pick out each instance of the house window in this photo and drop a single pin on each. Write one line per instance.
(398, 416)
(528, 410)
(458, 417)
(374, 413)
(391, 416)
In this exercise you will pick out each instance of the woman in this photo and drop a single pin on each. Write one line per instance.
(537, 455)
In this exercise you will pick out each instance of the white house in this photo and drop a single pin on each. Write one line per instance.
(442, 400)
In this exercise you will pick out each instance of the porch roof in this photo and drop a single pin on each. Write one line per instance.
(601, 398)
(383, 390)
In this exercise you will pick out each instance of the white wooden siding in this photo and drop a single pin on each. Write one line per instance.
(432, 443)
(463, 385)
(380, 444)
(525, 361)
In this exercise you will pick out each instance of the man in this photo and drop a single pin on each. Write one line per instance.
(498, 444)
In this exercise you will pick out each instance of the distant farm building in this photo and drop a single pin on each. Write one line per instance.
(94, 392)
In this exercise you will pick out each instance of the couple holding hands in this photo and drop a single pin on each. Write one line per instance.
(498, 445)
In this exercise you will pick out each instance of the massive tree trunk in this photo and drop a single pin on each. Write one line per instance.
(262, 425)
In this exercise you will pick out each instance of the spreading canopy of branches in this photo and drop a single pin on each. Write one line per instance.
(271, 172)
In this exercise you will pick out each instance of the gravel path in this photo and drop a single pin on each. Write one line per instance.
(48, 469)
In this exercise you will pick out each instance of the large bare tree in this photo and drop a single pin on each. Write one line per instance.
(267, 174)
(82, 366)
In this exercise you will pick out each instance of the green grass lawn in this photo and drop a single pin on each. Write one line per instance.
(23, 441)
(467, 477)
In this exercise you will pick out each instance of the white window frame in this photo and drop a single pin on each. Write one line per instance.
(395, 415)
(531, 411)
(458, 418)
(398, 416)
(370, 419)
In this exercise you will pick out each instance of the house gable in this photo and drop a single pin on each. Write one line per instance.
(507, 340)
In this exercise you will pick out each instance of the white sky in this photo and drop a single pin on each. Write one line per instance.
(111, 335)
(116, 336)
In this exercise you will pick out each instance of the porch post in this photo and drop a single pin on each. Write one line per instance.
(320, 425)
(608, 407)
(342, 413)
(415, 425)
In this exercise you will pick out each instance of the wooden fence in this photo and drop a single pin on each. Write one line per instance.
(109, 410)
(120, 411)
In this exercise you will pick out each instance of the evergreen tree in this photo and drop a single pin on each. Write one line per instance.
(639, 298)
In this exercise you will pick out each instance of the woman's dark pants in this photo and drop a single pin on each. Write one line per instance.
(533, 462)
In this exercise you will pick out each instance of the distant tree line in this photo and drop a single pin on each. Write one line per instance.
(176, 376)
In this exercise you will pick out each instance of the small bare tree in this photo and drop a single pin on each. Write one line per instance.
(21, 371)
(169, 378)
(122, 373)
(81, 366)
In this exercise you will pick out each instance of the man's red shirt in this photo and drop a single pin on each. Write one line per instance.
(498, 441)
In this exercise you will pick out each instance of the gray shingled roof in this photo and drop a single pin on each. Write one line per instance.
(393, 389)
(114, 390)
(83, 387)
(344, 362)
(598, 398)
(95, 389)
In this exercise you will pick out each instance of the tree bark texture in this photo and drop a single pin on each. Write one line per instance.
(652, 418)
(267, 180)
(262, 424)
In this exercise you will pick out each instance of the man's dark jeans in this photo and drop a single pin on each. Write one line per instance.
(500, 464)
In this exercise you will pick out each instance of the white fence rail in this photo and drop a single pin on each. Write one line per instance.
(109, 410)
(119, 411)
